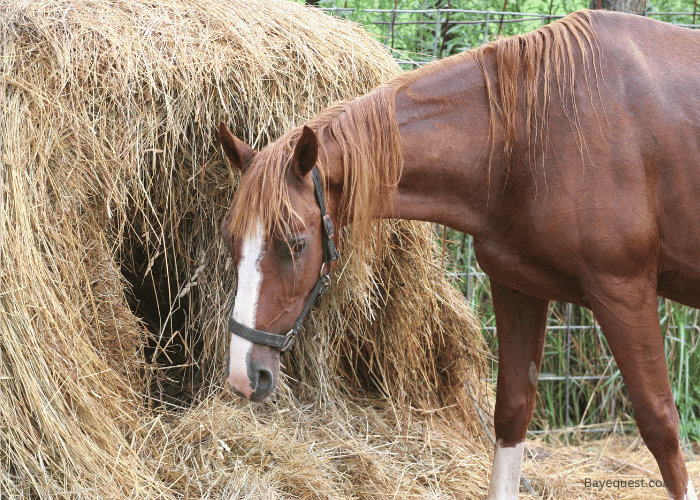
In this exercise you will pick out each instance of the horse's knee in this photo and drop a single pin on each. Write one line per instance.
(512, 417)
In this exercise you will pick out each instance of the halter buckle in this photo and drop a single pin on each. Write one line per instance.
(328, 226)
(289, 342)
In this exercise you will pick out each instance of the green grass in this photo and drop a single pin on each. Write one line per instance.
(682, 339)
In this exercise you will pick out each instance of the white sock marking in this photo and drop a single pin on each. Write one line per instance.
(690, 494)
(505, 474)
(244, 309)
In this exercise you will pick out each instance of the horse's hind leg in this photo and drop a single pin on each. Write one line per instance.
(520, 323)
(627, 310)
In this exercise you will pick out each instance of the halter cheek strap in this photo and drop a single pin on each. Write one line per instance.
(330, 254)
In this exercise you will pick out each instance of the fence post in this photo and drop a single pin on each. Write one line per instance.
(393, 20)
(486, 29)
(437, 34)
(568, 368)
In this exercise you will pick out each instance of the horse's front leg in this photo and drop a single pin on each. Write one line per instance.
(520, 324)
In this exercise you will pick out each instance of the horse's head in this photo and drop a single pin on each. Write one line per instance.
(279, 242)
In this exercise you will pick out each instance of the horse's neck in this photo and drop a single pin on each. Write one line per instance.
(443, 118)
(450, 166)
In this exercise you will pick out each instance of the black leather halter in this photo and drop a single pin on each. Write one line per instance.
(330, 254)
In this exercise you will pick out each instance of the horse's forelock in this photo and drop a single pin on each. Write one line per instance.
(263, 193)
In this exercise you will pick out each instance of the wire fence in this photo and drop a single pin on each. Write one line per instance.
(581, 390)
(418, 36)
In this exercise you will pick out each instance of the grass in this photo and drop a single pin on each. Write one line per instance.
(681, 341)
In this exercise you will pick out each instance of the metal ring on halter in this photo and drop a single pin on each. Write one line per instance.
(291, 336)
(327, 274)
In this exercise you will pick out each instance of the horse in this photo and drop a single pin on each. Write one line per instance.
(571, 154)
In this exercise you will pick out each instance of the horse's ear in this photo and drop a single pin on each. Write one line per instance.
(237, 151)
(305, 152)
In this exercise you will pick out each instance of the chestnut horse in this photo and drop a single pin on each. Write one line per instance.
(571, 154)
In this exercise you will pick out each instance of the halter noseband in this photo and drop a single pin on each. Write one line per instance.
(330, 254)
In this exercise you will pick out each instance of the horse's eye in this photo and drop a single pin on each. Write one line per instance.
(296, 247)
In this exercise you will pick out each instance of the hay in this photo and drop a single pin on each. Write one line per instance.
(561, 471)
(300, 450)
(116, 287)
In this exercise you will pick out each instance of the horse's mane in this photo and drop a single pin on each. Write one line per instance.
(547, 55)
(544, 55)
(366, 132)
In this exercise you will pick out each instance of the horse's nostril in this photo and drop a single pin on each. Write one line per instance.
(264, 381)
(264, 385)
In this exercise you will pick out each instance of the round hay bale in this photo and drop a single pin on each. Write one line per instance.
(116, 287)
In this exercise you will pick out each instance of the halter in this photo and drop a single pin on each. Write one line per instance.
(330, 254)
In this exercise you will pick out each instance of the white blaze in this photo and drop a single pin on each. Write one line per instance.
(245, 309)
(505, 474)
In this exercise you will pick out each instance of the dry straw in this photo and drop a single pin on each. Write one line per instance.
(116, 287)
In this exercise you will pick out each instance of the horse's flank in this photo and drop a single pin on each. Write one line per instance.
(366, 133)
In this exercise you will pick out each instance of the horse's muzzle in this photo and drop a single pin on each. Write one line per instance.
(262, 370)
